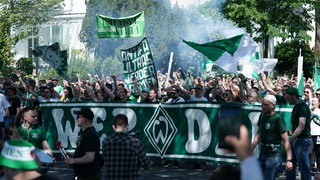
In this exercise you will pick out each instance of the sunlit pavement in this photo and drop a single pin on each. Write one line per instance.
(184, 171)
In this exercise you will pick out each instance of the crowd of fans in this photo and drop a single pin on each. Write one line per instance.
(29, 92)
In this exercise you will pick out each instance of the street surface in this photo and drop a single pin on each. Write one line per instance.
(185, 171)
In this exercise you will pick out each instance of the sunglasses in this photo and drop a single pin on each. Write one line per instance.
(197, 88)
(317, 94)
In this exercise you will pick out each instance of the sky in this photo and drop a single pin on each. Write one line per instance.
(187, 3)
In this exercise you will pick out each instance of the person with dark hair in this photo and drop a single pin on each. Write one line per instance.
(197, 97)
(174, 95)
(15, 104)
(46, 95)
(300, 134)
(67, 95)
(123, 153)
(86, 159)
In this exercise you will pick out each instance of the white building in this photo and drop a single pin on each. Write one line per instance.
(64, 28)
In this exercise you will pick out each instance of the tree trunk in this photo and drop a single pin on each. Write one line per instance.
(265, 48)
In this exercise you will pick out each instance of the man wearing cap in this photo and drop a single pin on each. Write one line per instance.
(86, 158)
(18, 158)
(272, 129)
(174, 94)
(301, 136)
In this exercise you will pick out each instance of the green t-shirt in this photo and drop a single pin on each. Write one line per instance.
(271, 128)
(301, 109)
(34, 134)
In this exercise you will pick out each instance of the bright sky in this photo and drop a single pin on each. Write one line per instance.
(186, 3)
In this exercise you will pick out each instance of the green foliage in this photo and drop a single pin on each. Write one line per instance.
(284, 19)
(163, 27)
(48, 74)
(287, 54)
(25, 66)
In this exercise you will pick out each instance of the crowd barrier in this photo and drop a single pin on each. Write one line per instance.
(178, 131)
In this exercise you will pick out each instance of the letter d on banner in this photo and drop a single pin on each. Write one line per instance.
(200, 145)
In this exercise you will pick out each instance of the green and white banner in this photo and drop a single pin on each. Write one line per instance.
(138, 62)
(127, 27)
(180, 131)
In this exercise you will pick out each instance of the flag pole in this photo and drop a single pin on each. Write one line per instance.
(300, 64)
(169, 67)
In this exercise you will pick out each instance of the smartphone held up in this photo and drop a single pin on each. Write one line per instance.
(230, 120)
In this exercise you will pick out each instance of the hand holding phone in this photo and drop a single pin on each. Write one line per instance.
(230, 118)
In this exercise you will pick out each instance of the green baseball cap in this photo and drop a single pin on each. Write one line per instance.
(292, 91)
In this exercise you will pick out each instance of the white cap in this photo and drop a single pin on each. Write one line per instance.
(270, 98)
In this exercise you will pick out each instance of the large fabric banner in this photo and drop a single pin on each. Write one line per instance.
(56, 58)
(180, 131)
(127, 27)
(138, 63)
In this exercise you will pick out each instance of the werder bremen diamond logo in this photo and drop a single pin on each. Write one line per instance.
(160, 130)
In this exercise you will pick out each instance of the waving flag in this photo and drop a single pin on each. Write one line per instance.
(56, 58)
(226, 53)
(127, 27)
(214, 50)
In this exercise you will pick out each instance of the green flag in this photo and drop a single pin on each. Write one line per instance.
(138, 63)
(56, 58)
(316, 77)
(127, 27)
(301, 85)
(214, 50)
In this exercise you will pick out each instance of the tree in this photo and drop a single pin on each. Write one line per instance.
(21, 18)
(164, 27)
(287, 54)
(317, 34)
(25, 66)
(286, 19)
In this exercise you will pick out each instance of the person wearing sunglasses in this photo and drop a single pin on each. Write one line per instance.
(197, 97)
(174, 94)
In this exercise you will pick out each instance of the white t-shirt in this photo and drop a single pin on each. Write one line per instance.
(315, 128)
(4, 104)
